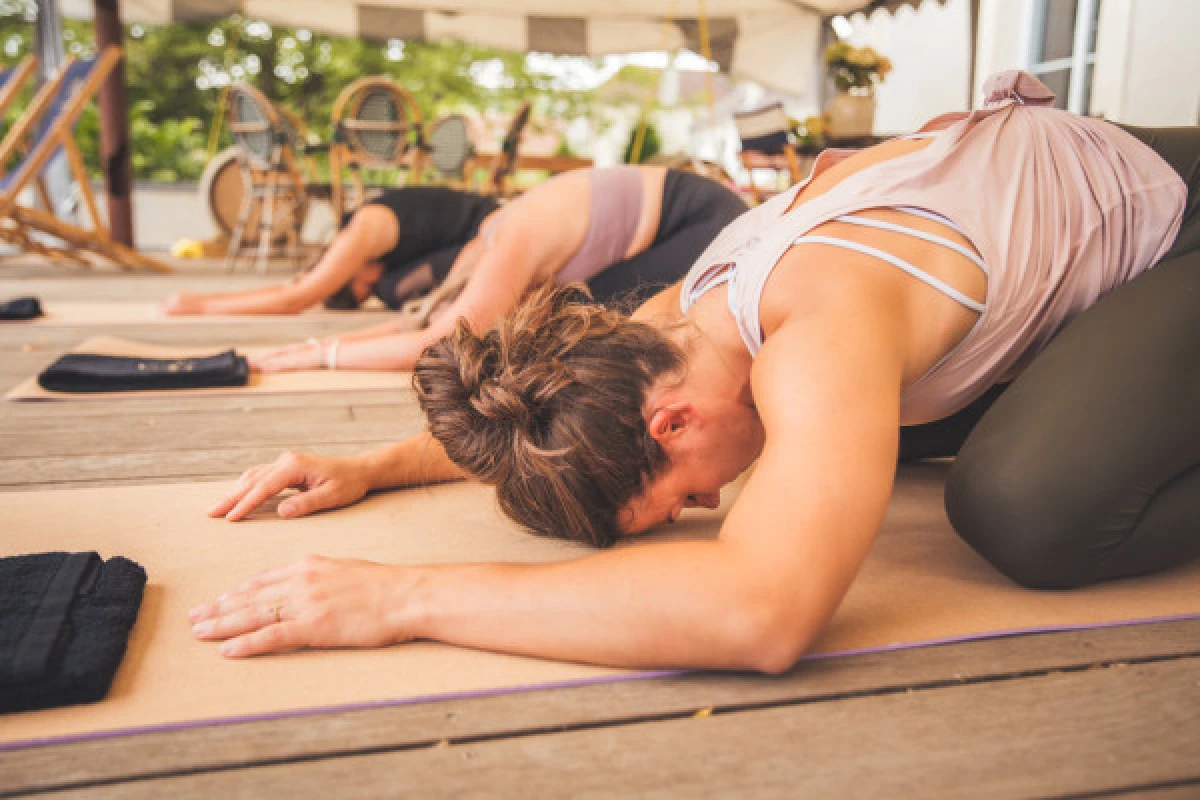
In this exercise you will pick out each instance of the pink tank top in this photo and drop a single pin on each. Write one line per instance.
(1061, 208)
(616, 194)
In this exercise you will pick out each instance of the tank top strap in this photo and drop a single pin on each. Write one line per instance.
(933, 238)
(895, 261)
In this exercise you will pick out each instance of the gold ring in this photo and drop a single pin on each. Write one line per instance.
(277, 612)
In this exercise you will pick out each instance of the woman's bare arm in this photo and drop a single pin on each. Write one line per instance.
(372, 232)
(502, 275)
(330, 482)
(827, 388)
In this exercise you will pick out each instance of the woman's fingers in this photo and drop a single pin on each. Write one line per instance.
(279, 638)
(288, 471)
(325, 483)
(315, 602)
(320, 497)
(244, 483)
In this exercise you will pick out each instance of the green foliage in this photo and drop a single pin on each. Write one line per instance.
(651, 144)
(176, 75)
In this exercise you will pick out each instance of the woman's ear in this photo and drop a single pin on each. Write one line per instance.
(667, 423)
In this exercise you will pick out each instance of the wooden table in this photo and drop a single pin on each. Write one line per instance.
(1110, 712)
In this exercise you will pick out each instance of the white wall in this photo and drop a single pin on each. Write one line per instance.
(1002, 30)
(929, 49)
(1162, 75)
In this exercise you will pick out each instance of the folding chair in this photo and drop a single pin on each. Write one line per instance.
(766, 144)
(275, 200)
(506, 159)
(12, 80)
(373, 123)
(45, 127)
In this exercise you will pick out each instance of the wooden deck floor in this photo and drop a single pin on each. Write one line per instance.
(1112, 712)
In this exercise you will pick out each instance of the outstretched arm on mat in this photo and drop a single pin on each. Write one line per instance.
(503, 271)
(354, 254)
(331, 482)
(754, 598)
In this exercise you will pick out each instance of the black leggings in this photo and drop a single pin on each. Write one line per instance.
(1087, 466)
(694, 210)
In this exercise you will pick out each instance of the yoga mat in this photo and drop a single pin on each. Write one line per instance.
(920, 585)
(66, 314)
(320, 380)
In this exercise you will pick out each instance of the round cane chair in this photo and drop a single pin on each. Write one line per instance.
(374, 125)
(274, 200)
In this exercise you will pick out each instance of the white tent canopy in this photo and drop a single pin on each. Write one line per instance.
(772, 42)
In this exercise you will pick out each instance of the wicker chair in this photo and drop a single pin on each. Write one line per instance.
(375, 121)
(448, 148)
(275, 201)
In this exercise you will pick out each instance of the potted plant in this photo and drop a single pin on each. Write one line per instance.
(855, 72)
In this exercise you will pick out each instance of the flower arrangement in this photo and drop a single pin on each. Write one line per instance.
(855, 67)
(810, 133)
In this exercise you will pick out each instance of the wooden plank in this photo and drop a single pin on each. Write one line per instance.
(962, 671)
(15, 414)
(1056, 734)
(281, 427)
(63, 472)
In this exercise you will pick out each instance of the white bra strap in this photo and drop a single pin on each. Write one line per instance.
(929, 237)
(903, 265)
(932, 216)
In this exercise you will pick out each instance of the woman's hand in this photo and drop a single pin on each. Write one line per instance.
(324, 481)
(183, 304)
(289, 358)
(316, 602)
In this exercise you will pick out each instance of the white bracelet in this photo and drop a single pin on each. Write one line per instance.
(331, 353)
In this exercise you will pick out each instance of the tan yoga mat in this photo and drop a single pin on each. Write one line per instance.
(66, 314)
(919, 585)
(320, 380)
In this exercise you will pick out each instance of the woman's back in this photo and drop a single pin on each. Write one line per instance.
(1061, 208)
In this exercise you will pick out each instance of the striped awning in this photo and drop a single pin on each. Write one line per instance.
(772, 42)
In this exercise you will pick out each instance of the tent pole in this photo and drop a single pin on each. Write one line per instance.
(114, 128)
(972, 47)
(706, 51)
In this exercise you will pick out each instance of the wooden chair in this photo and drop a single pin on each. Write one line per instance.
(506, 159)
(766, 144)
(375, 125)
(45, 127)
(275, 201)
(12, 80)
(449, 149)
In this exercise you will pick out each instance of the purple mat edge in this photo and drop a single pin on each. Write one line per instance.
(74, 738)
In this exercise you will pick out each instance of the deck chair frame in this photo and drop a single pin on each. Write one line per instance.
(18, 223)
(767, 124)
(14, 80)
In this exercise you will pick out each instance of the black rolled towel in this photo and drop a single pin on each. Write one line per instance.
(85, 372)
(64, 621)
(21, 308)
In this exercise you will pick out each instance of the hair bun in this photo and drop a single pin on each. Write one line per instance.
(498, 402)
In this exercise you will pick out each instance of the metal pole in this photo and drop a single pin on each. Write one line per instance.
(114, 128)
(49, 47)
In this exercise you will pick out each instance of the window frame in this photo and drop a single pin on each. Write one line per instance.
(1079, 60)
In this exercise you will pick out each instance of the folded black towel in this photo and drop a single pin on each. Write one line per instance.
(83, 372)
(64, 622)
(21, 308)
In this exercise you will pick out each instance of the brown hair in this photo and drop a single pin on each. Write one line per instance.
(548, 407)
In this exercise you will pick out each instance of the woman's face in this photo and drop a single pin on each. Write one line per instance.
(696, 471)
(365, 279)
